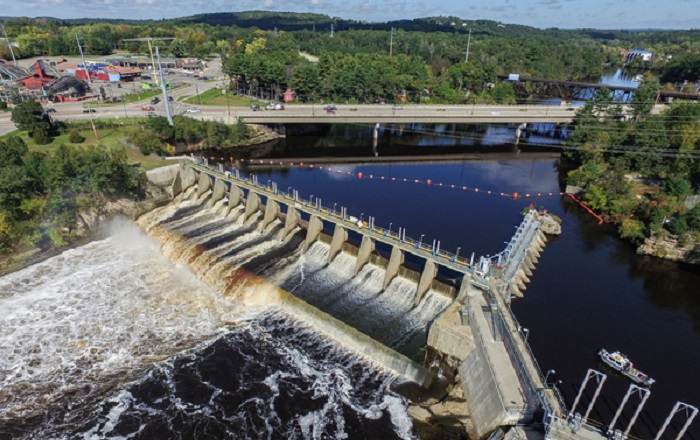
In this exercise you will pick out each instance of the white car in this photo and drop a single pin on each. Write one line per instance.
(193, 111)
(495, 113)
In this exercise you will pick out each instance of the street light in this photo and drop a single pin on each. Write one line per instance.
(390, 226)
(546, 376)
(457, 253)
(420, 241)
(334, 204)
(362, 216)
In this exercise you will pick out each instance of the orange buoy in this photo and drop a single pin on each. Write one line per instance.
(428, 182)
(359, 175)
(476, 190)
(464, 188)
(301, 164)
(515, 196)
(488, 192)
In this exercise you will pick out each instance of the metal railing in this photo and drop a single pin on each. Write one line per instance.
(315, 207)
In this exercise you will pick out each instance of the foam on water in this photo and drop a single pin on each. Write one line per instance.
(80, 322)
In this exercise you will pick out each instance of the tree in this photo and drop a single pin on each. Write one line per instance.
(28, 115)
(644, 99)
(12, 151)
(40, 136)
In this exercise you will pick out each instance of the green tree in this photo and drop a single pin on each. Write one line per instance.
(28, 115)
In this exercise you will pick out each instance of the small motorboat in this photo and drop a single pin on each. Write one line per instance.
(621, 363)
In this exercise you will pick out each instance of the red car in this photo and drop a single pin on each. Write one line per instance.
(148, 108)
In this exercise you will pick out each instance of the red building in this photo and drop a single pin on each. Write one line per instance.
(38, 79)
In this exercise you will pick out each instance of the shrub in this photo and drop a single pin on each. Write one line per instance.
(3, 105)
(679, 226)
(74, 137)
(40, 137)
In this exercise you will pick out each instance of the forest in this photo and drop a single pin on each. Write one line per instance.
(421, 59)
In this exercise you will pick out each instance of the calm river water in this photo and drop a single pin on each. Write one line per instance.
(589, 291)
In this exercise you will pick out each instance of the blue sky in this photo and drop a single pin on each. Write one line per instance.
(601, 14)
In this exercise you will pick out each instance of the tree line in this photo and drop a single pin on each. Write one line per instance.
(41, 194)
(638, 172)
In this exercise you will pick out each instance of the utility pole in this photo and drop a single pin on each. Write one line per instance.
(80, 48)
(165, 92)
(332, 28)
(469, 40)
(9, 45)
(391, 42)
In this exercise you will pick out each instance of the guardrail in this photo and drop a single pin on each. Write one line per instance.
(315, 207)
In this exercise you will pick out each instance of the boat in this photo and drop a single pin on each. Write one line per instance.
(621, 363)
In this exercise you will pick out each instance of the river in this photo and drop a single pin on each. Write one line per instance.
(112, 340)
(590, 290)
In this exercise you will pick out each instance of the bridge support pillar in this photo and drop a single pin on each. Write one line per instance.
(235, 197)
(252, 204)
(464, 289)
(340, 236)
(272, 210)
(366, 249)
(204, 184)
(313, 230)
(176, 185)
(187, 177)
(219, 191)
(395, 262)
(426, 279)
(291, 222)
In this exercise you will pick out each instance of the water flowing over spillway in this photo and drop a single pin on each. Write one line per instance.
(113, 340)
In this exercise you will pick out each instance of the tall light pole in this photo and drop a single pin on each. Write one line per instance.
(391, 42)
(80, 48)
(9, 45)
(166, 101)
(469, 40)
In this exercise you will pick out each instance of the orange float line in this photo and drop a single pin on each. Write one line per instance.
(590, 211)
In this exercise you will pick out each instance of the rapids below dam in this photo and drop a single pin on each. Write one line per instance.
(170, 335)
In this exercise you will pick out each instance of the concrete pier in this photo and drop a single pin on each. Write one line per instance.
(340, 236)
(395, 262)
(366, 249)
(252, 205)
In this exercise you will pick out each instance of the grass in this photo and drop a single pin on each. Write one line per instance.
(215, 97)
(108, 137)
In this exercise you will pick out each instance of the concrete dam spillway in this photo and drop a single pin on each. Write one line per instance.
(265, 248)
(262, 266)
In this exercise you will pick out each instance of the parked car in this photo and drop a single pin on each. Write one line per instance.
(147, 108)
(155, 100)
(255, 107)
(193, 111)
(397, 107)
(89, 110)
(270, 107)
(170, 98)
(50, 110)
(279, 106)
(145, 77)
(331, 107)
(151, 114)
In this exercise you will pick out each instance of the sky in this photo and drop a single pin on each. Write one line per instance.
(566, 14)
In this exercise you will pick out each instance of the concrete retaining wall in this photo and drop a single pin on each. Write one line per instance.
(483, 398)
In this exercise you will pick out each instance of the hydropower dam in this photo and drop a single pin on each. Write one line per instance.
(266, 247)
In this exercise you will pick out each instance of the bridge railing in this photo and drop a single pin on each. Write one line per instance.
(418, 247)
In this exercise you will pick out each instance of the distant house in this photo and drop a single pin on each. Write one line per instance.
(288, 95)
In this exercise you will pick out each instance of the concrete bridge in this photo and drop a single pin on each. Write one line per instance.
(499, 375)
